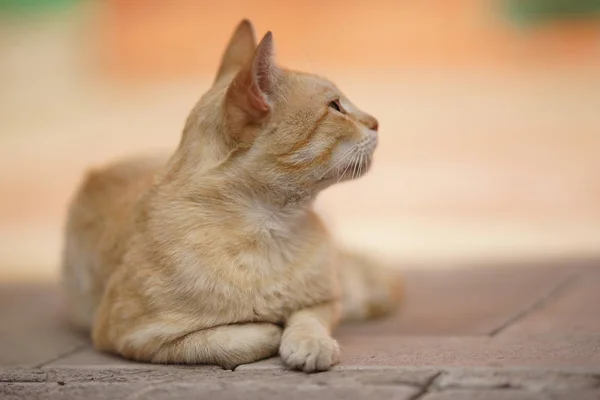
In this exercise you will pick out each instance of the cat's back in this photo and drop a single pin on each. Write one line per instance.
(97, 229)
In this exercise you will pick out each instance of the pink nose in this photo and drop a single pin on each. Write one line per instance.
(371, 123)
(374, 125)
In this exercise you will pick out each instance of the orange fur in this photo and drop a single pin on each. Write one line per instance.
(216, 255)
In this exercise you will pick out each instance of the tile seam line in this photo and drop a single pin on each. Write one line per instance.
(61, 356)
(425, 390)
(539, 303)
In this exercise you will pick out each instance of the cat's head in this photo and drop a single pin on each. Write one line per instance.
(291, 127)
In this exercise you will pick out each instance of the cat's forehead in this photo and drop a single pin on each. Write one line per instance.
(313, 84)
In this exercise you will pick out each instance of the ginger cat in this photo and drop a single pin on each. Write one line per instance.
(215, 256)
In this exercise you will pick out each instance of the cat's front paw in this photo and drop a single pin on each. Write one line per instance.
(309, 353)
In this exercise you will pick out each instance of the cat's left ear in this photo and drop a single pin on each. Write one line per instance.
(251, 88)
(239, 50)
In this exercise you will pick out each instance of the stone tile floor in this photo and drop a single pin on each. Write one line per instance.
(522, 332)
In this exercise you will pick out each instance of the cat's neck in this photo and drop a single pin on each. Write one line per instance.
(279, 196)
(237, 190)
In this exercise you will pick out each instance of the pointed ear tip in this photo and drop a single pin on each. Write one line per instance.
(267, 40)
(245, 26)
(245, 23)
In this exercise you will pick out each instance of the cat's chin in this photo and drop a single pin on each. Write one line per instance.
(354, 170)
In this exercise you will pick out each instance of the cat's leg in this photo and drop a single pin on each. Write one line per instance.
(307, 344)
(369, 289)
(226, 345)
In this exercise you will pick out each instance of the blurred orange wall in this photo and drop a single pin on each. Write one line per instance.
(366, 34)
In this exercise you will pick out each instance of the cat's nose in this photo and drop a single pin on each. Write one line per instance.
(374, 125)
(371, 123)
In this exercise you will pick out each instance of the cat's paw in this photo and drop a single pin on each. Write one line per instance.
(309, 353)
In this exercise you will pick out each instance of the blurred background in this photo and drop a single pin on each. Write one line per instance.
(489, 115)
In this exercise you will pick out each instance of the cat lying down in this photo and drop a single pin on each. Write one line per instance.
(215, 255)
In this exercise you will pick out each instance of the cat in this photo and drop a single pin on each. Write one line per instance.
(215, 255)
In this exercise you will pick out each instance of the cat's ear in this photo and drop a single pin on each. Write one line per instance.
(249, 92)
(239, 51)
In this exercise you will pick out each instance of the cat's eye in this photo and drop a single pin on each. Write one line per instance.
(335, 104)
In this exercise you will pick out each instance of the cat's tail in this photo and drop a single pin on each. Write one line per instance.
(370, 289)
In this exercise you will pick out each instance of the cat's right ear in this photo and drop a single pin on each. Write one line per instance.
(248, 96)
(239, 51)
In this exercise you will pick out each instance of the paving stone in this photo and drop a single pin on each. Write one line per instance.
(462, 302)
(345, 378)
(62, 391)
(542, 352)
(525, 379)
(87, 356)
(22, 375)
(190, 382)
(259, 391)
(192, 374)
(150, 374)
(575, 311)
(581, 352)
(346, 373)
(511, 395)
(33, 330)
(190, 390)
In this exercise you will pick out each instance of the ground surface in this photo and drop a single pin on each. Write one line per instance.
(529, 332)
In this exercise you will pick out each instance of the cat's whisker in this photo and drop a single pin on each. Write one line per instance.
(360, 165)
(353, 162)
(346, 154)
(339, 168)
(347, 166)
(342, 174)
(360, 157)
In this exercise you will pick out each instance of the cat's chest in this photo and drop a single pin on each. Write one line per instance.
(262, 284)
(286, 287)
